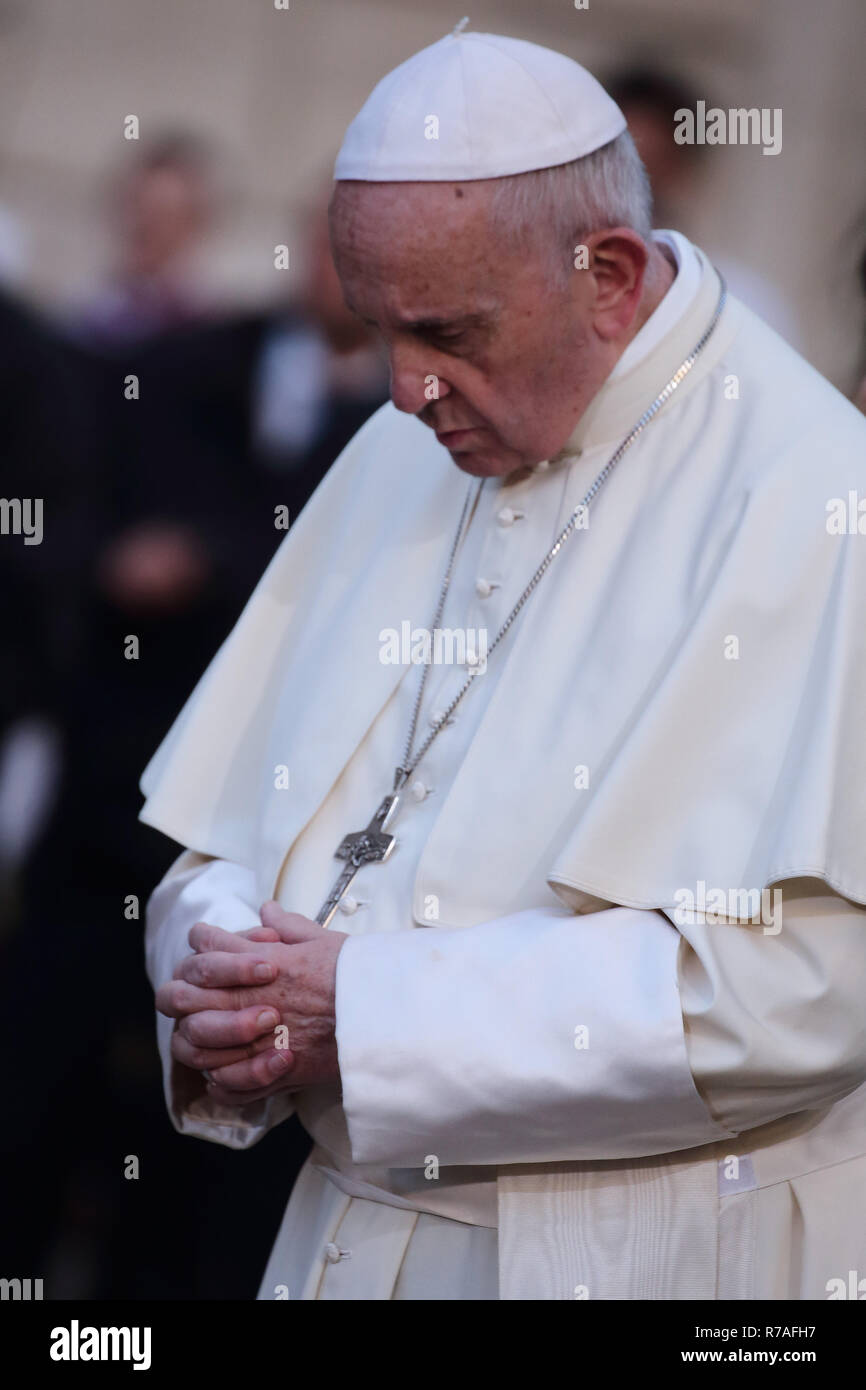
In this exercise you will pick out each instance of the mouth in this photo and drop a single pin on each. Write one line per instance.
(453, 439)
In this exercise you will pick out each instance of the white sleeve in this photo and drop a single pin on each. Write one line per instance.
(540, 1037)
(773, 1010)
(544, 1037)
(198, 889)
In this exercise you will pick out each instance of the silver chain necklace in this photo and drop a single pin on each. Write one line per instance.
(373, 845)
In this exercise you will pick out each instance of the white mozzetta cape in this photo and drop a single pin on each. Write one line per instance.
(735, 773)
(696, 773)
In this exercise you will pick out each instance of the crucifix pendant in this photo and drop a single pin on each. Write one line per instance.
(367, 846)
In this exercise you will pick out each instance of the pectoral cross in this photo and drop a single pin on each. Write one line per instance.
(368, 846)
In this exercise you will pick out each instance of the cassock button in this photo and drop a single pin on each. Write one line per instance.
(437, 716)
(484, 587)
(508, 516)
(333, 1253)
(349, 905)
(419, 791)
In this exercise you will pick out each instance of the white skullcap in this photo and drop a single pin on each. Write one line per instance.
(477, 106)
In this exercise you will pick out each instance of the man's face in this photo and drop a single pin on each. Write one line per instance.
(512, 355)
(163, 213)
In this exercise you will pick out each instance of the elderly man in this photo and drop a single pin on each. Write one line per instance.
(591, 1026)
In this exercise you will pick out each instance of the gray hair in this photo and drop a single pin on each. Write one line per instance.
(565, 203)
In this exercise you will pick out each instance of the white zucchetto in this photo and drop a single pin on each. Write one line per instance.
(477, 106)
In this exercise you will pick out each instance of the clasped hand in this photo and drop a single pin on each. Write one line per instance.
(255, 1009)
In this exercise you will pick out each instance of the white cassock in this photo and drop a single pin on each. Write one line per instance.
(558, 1081)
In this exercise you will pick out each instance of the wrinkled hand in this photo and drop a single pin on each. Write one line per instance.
(256, 1009)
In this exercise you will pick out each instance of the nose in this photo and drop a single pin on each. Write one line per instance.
(414, 383)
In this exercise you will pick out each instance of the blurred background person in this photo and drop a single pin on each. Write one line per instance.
(162, 206)
(49, 394)
(649, 99)
(238, 415)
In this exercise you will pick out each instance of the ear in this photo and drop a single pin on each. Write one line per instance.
(618, 259)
